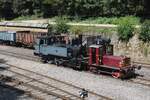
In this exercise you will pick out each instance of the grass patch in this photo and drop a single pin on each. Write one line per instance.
(29, 17)
(94, 30)
(112, 20)
(2, 19)
(92, 20)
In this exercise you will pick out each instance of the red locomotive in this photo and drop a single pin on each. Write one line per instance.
(96, 55)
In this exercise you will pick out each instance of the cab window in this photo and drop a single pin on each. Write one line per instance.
(109, 50)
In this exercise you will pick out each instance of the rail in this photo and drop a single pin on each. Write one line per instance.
(142, 81)
(138, 80)
(76, 88)
(41, 89)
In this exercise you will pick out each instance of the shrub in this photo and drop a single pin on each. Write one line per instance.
(145, 31)
(125, 29)
(51, 30)
(76, 30)
(132, 19)
(61, 25)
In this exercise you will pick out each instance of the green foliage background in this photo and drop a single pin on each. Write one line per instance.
(125, 29)
(75, 8)
(145, 31)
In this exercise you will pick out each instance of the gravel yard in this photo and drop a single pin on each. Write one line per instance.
(104, 85)
(17, 50)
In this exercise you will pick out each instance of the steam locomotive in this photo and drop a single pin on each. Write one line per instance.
(91, 53)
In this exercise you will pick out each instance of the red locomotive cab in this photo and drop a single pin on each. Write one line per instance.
(95, 54)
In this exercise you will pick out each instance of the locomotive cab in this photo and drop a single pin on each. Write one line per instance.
(39, 43)
(96, 53)
(102, 60)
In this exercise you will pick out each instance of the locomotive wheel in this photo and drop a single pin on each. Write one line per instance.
(44, 61)
(116, 74)
(56, 62)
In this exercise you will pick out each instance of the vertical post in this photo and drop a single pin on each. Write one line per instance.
(90, 56)
(97, 56)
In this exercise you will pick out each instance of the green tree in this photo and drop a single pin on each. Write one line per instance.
(125, 29)
(145, 31)
(23, 7)
(61, 26)
(6, 10)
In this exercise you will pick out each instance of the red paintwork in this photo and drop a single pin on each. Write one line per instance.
(113, 61)
(97, 56)
(90, 56)
(104, 50)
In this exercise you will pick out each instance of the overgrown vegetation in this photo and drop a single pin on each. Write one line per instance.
(125, 29)
(76, 30)
(60, 27)
(112, 20)
(145, 32)
(28, 17)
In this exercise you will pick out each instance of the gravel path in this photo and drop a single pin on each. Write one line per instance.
(104, 85)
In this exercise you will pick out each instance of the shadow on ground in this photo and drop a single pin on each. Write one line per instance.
(8, 92)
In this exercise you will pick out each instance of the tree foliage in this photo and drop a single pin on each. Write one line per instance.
(61, 26)
(145, 31)
(78, 8)
(125, 29)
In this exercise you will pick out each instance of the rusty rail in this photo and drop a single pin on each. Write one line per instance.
(50, 78)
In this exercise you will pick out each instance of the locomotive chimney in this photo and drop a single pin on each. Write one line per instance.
(80, 39)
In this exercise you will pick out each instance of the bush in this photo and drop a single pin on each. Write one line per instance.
(145, 31)
(76, 30)
(125, 29)
(51, 30)
(61, 25)
(131, 19)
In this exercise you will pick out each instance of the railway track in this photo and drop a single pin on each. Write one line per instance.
(40, 87)
(138, 80)
(33, 91)
(141, 81)
(11, 84)
(145, 65)
(69, 91)
(21, 56)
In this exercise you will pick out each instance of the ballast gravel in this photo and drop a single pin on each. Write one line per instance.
(18, 50)
(100, 84)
